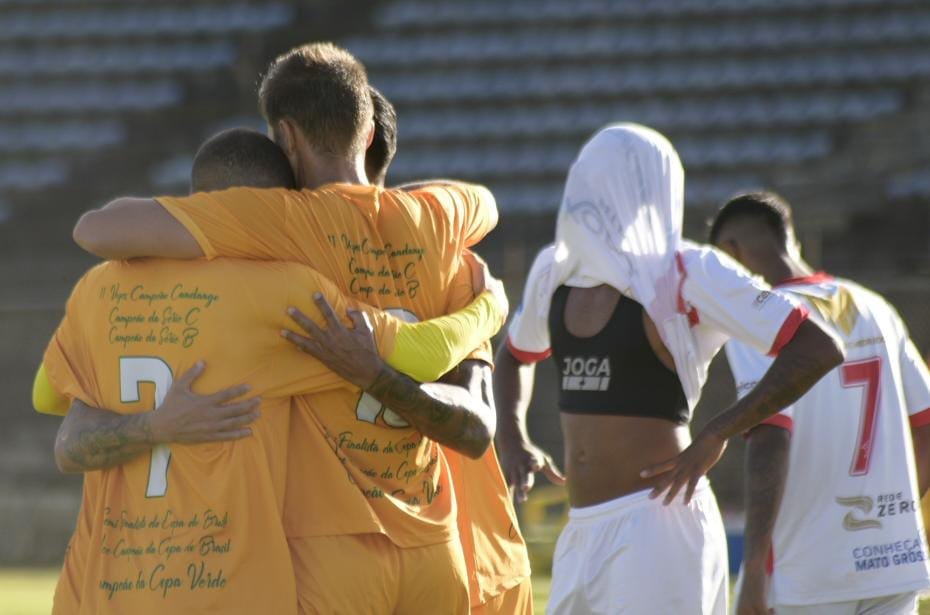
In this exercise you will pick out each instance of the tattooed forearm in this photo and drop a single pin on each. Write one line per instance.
(802, 362)
(447, 412)
(766, 471)
(91, 439)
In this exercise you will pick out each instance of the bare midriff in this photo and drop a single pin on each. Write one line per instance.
(605, 453)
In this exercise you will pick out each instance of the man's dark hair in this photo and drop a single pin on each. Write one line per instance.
(324, 89)
(384, 144)
(240, 157)
(766, 206)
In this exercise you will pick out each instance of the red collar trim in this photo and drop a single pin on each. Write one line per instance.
(814, 278)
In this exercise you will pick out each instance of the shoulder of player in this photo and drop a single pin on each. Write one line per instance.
(102, 273)
(705, 265)
(695, 256)
(544, 259)
(430, 198)
(861, 294)
(447, 193)
(537, 280)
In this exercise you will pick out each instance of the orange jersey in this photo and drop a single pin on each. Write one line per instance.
(494, 549)
(395, 250)
(188, 528)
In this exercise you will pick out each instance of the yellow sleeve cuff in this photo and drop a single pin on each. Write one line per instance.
(45, 398)
(427, 350)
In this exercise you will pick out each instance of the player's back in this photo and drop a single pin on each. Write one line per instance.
(849, 524)
(389, 248)
(396, 250)
(186, 528)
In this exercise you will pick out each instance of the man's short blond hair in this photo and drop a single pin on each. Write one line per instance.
(324, 89)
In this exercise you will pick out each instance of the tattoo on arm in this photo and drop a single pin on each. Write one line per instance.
(456, 412)
(802, 362)
(766, 472)
(93, 439)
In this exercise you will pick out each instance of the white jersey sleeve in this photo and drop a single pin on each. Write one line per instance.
(528, 333)
(718, 292)
(748, 367)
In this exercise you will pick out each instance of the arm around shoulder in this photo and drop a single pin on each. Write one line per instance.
(472, 205)
(134, 227)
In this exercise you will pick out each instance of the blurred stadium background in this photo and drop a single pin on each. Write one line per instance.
(825, 101)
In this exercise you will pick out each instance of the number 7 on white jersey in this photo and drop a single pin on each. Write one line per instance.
(133, 371)
(868, 375)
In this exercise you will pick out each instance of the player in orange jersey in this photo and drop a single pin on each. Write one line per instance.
(495, 553)
(187, 528)
(89, 441)
(390, 513)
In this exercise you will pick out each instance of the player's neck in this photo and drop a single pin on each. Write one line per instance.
(320, 171)
(785, 267)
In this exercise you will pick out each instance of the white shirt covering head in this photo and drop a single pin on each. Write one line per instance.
(849, 526)
(620, 224)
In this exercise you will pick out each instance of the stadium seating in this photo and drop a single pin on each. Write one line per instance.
(75, 76)
(488, 12)
(505, 92)
(17, 99)
(142, 19)
(910, 185)
(498, 91)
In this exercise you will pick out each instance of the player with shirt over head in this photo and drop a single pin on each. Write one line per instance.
(833, 481)
(632, 315)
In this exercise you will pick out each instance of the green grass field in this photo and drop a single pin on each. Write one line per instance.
(28, 591)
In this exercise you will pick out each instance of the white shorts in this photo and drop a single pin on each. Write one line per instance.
(633, 555)
(899, 604)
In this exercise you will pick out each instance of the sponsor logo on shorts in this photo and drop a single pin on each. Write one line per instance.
(585, 373)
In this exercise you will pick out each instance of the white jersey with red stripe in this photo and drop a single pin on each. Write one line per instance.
(849, 526)
(721, 299)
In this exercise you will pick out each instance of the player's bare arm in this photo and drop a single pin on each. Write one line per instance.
(134, 227)
(94, 439)
(766, 473)
(457, 415)
(456, 412)
(921, 439)
(811, 353)
(520, 458)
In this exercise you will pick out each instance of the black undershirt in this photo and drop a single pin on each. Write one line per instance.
(615, 371)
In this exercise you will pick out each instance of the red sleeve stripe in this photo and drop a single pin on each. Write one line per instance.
(779, 420)
(788, 329)
(527, 357)
(921, 418)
